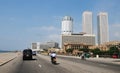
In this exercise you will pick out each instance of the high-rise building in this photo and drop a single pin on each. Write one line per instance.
(35, 46)
(87, 22)
(67, 25)
(103, 34)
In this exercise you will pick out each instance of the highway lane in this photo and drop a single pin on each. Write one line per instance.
(80, 66)
(42, 64)
(110, 66)
(37, 65)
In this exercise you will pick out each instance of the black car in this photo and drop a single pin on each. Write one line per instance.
(34, 53)
(27, 54)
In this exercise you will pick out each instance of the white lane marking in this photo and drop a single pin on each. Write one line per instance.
(40, 65)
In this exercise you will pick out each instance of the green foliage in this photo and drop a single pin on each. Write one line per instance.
(96, 51)
(113, 50)
(104, 52)
(80, 49)
(70, 50)
(84, 49)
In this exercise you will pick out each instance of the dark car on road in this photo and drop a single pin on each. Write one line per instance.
(27, 54)
(34, 53)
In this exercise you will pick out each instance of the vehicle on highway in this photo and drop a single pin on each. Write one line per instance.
(34, 53)
(54, 60)
(115, 56)
(83, 56)
(53, 57)
(27, 54)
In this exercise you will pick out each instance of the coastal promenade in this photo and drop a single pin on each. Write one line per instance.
(6, 57)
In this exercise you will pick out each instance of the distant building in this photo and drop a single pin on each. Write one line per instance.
(44, 46)
(48, 45)
(73, 40)
(75, 47)
(87, 22)
(53, 44)
(35, 46)
(103, 32)
(83, 39)
(67, 25)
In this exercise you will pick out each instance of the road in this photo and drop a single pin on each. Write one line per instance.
(42, 64)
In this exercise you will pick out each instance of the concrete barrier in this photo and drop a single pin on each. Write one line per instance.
(6, 57)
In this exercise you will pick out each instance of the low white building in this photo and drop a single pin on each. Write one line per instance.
(42, 46)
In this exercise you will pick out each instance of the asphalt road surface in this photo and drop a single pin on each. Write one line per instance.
(42, 64)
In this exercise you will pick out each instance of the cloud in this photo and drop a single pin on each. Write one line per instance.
(44, 33)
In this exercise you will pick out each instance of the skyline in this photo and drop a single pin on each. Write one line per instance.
(23, 22)
(87, 20)
(102, 20)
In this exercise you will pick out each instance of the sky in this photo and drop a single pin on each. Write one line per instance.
(25, 21)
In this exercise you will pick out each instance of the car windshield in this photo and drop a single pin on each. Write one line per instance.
(27, 51)
(59, 36)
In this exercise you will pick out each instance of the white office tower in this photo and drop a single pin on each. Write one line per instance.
(35, 46)
(103, 33)
(87, 22)
(67, 25)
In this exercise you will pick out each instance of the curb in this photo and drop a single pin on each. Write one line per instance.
(7, 61)
(104, 62)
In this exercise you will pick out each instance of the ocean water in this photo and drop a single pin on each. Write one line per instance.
(3, 51)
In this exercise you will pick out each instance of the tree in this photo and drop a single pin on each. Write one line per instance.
(70, 50)
(113, 50)
(96, 51)
(84, 49)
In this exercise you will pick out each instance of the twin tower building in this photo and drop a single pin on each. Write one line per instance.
(86, 36)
